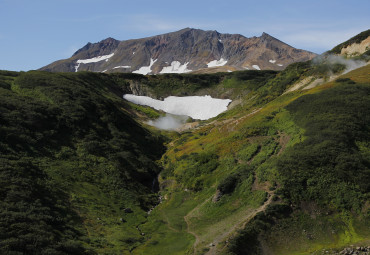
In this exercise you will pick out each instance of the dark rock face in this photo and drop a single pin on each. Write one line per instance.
(91, 50)
(191, 48)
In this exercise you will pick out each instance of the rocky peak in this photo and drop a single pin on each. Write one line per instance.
(186, 50)
(94, 49)
(267, 37)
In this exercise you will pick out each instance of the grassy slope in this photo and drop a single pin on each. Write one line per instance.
(93, 159)
(330, 210)
(71, 161)
(250, 143)
(88, 160)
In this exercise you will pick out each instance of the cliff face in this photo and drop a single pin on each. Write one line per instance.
(183, 51)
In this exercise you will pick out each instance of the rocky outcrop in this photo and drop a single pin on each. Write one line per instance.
(138, 89)
(356, 49)
(183, 51)
(356, 251)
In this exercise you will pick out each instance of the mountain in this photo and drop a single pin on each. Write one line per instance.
(286, 170)
(183, 51)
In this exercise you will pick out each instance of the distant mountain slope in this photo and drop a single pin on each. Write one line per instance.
(182, 51)
(355, 46)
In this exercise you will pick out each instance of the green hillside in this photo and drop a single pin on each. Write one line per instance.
(356, 39)
(285, 171)
(272, 173)
(72, 160)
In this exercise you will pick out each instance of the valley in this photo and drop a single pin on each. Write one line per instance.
(281, 166)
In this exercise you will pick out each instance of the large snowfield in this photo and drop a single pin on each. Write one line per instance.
(197, 107)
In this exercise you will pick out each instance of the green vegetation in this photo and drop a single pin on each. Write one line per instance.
(71, 161)
(325, 178)
(147, 111)
(300, 147)
(218, 84)
(247, 240)
(284, 172)
(335, 121)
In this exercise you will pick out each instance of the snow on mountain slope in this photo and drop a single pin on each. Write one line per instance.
(215, 63)
(121, 67)
(182, 51)
(92, 60)
(146, 69)
(256, 67)
(176, 67)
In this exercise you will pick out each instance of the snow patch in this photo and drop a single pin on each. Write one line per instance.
(133, 53)
(216, 63)
(92, 60)
(121, 67)
(146, 69)
(272, 61)
(220, 40)
(256, 67)
(279, 64)
(197, 107)
(176, 67)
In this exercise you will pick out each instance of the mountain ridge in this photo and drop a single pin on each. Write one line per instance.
(182, 51)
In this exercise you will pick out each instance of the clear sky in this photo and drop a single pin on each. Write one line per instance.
(34, 33)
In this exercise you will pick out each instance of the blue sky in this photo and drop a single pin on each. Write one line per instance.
(34, 33)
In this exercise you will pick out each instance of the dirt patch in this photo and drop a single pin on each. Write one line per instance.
(300, 84)
(313, 84)
(188, 126)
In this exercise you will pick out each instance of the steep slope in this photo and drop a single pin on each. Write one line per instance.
(76, 170)
(308, 149)
(234, 184)
(182, 51)
(355, 46)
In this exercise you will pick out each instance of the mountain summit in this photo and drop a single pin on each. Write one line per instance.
(183, 51)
